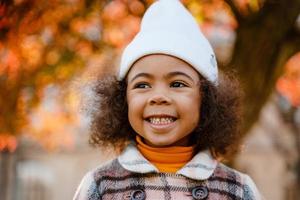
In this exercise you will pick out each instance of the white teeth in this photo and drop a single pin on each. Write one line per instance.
(161, 120)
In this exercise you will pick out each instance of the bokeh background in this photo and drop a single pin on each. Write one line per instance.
(51, 52)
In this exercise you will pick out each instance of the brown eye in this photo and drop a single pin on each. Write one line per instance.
(141, 85)
(178, 84)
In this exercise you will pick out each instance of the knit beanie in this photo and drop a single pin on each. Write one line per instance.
(168, 28)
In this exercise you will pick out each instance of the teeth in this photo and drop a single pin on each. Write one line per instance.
(161, 120)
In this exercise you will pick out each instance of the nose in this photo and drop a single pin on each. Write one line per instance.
(159, 99)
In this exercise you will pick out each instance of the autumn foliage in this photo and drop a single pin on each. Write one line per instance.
(289, 83)
(49, 42)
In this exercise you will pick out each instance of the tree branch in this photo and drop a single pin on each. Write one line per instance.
(290, 46)
(234, 10)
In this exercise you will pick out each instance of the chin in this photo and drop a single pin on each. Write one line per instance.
(161, 144)
(157, 143)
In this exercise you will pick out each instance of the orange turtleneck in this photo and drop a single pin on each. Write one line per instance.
(166, 159)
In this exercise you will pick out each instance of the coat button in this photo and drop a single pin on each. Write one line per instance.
(200, 192)
(138, 195)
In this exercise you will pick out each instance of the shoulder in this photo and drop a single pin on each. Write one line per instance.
(238, 181)
(90, 185)
(111, 169)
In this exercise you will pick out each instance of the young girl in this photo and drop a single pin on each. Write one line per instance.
(172, 116)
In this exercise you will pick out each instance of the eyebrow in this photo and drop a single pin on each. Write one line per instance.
(141, 75)
(178, 73)
(175, 73)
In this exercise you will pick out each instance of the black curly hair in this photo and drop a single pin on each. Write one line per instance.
(219, 129)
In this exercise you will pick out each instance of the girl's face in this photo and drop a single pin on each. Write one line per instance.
(163, 99)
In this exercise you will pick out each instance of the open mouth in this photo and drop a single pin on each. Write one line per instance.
(161, 120)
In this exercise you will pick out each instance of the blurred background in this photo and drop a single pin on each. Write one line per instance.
(51, 51)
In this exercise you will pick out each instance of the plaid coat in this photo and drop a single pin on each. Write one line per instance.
(131, 177)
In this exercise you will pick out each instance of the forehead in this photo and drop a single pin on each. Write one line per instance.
(159, 64)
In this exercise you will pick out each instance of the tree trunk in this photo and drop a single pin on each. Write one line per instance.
(259, 43)
(296, 131)
(8, 176)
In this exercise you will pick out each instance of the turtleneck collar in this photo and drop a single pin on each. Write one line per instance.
(166, 159)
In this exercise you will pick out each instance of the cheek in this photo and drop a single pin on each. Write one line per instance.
(192, 108)
(132, 117)
(135, 116)
(135, 109)
(131, 110)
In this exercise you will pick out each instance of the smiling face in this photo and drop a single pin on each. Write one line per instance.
(163, 99)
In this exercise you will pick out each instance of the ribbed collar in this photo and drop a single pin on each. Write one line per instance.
(201, 167)
(166, 159)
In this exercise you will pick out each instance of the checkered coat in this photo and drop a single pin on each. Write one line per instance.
(131, 177)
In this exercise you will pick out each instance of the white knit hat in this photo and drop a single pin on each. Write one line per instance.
(168, 28)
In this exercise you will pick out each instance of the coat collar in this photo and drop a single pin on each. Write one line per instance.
(201, 167)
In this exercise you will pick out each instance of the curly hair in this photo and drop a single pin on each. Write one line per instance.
(218, 128)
